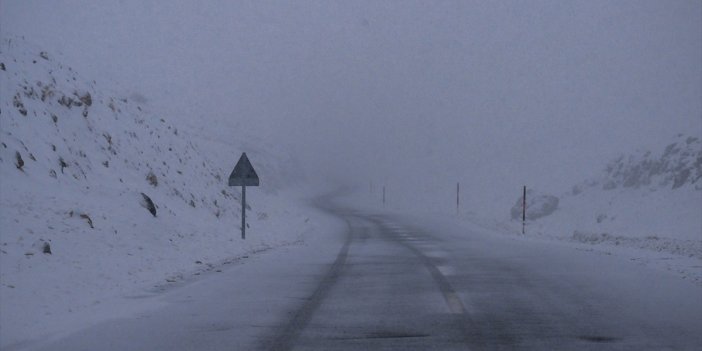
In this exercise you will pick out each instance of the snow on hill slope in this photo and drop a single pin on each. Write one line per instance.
(650, 201)
(643, 195)
(79, 171)
(647, 194)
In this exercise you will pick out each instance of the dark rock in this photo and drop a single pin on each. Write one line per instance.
(148, 204)
(537, 206)
(65, 101)
(19, 161)
(46, 92)
(62, 163)
(151, 178)
(88, 219)
(86, 99)
(46, 249)
(17, 102)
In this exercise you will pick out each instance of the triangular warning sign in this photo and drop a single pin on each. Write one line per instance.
(243, 173)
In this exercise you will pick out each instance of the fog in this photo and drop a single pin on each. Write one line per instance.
(413, 95)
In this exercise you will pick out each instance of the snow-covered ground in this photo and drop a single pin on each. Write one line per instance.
(647, 201)
(653, 194)
(77, 164)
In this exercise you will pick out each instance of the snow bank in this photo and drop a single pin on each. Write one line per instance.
(78, 168)
(642, 195)
(650, 201)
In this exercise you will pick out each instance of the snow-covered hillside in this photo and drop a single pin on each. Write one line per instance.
(100, 198)
(650, 200)
(645, 194)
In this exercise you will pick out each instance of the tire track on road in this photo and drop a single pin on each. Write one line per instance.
(286, 337)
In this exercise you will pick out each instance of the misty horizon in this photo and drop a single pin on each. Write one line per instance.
(493, 95)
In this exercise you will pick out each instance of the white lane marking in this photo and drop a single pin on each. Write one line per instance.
(446, 270)
(418, 241)
(436, 254)
(454, 303)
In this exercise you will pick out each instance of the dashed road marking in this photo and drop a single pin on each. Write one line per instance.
(454, 303)
(436, 254)
(446, 270)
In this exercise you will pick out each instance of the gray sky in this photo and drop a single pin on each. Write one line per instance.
(494, 94)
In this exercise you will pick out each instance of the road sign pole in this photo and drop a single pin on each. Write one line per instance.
(243, 211)
(243, 175)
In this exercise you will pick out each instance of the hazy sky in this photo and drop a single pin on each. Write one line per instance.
(494, 94)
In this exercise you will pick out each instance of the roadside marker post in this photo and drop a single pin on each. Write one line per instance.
(243, 175)
(383, 195)
(523, 209)
(458, 198)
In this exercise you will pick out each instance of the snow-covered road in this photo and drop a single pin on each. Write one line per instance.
(401, 283)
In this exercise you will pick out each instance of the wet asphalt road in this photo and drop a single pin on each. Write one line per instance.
(391, 283)
(398, 287)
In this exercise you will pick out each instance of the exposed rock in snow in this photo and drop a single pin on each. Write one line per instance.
(148, 204)
(679, 164)
(537, 206)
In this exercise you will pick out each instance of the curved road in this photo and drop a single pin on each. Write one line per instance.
(400, 283)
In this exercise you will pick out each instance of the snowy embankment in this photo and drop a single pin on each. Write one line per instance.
(646, 205)
(100, 199)
(646, 200)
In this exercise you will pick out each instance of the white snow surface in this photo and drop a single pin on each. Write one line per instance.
(105, 245)
(648, 199)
